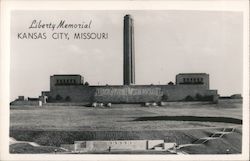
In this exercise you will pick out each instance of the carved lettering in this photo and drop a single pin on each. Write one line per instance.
(127, 91)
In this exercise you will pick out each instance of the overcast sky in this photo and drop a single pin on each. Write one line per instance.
(166, 43)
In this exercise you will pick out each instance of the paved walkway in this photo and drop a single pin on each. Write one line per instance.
(14, 141)
(215, 135)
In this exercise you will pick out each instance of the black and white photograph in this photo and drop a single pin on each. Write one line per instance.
(147, 82)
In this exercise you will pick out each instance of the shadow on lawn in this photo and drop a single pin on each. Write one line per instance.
(190, 118)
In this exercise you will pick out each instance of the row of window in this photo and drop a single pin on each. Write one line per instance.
(124, 142)
(83, 144)
(192, 80)
(65, 81)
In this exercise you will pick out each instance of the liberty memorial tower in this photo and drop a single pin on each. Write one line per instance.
(128, 51)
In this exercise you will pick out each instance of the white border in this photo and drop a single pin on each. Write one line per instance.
(8, 6)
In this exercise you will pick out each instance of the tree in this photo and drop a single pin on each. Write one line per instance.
(58, 97)
(165, 97)
(86, 83)
(189, 98)
(68, 99)
(170, 83)
(198, 97)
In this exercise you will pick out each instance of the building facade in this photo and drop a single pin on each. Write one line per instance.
(71, 88)
(182, 90)
(193, 79)
(121, 145)
(188, 86)
(65, 79)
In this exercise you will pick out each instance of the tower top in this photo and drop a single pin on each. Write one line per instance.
(127, 15)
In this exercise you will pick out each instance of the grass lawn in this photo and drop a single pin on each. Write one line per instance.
(122, 117)
(180, 122)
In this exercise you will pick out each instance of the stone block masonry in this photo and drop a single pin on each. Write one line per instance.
(129, 94)
(122, 145)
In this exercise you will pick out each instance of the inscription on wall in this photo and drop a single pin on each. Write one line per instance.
(155, 91)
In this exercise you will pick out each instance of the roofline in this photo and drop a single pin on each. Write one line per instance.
(67, 75)
(192, 73)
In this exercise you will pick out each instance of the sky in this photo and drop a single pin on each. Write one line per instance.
(166, 43)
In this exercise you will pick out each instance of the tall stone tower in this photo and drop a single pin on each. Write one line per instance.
(128, 51)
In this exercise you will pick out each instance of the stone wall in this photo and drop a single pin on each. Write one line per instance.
(85, 146)
(128, 94)
(74, 93)
(181, 92)
(26, 103)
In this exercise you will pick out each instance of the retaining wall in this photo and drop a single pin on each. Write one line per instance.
(26, 103)
(127, 94)
(117, 145)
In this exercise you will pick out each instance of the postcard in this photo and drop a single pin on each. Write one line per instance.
(126, 80)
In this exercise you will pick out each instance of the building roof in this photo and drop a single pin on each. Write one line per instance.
(66, 75)
(192, 74)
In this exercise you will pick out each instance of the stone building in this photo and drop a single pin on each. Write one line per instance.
(122, 145)
(68, 79)
(193, 78)
(188, 86)
(198, 90)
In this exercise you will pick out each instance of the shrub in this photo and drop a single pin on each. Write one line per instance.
(164, 97)
(189, 98)
(58, 97)
(198, 97)
(170, 83)
(207, 98)
(68, 99)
